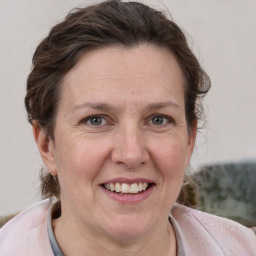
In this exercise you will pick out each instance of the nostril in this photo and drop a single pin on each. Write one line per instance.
(130, 152)
(131, 164)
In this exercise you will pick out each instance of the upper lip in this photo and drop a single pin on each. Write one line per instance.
(128, 181)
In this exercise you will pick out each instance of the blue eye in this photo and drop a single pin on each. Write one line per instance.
(96, 120)
(159, 120)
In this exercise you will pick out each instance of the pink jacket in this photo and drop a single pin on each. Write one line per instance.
(202, 234)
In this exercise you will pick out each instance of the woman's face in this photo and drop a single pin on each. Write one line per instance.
(121, 126)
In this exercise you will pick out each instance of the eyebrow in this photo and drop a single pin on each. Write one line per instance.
(159, 105)
(106, 107)
(98, 106)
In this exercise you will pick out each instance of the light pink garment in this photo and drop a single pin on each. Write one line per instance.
(204, 234)
(201, 234)
(26, 234)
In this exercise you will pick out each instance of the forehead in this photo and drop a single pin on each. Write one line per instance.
(143, 71)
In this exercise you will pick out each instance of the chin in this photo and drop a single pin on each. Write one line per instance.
(128, 228)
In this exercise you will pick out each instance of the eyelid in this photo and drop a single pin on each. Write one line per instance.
(169, 118)
(86, 119)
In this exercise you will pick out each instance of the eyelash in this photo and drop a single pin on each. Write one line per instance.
(90, 118)
(168, 119)
(103, 118)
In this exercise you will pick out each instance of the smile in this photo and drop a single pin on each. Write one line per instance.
(125, 188)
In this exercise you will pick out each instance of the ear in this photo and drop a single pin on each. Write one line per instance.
(46, 148)
(191, 140)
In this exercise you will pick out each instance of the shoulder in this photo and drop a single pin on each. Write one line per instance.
(26, 233)
(206, 233)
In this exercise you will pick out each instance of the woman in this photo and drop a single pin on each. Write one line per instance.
(114, 100)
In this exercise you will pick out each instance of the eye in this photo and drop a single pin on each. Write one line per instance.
(95, 120)
(159, 120)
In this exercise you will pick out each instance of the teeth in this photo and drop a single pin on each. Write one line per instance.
(118, 187)
(144, 186)
(126, 188)
(134, 188)
(112, 186)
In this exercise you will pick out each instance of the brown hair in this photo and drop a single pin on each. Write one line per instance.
(109, 23)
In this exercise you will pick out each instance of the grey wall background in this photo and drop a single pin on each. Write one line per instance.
(222, 34)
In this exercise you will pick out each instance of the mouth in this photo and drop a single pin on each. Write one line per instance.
(127, 189)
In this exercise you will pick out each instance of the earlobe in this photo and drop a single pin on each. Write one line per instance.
(46, 148)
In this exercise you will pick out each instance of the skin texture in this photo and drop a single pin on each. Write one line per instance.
(129, 91)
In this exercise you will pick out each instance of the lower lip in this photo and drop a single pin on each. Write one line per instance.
(130, 199)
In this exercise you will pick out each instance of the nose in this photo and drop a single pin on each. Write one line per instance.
(130, 148)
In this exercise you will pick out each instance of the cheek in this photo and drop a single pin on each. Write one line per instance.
(170, 162)
(80, 157)
(171, 156)
(78, 163)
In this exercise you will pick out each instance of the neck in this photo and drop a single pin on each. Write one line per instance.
(73, 240)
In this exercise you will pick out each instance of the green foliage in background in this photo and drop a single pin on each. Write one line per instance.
(229, 190)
